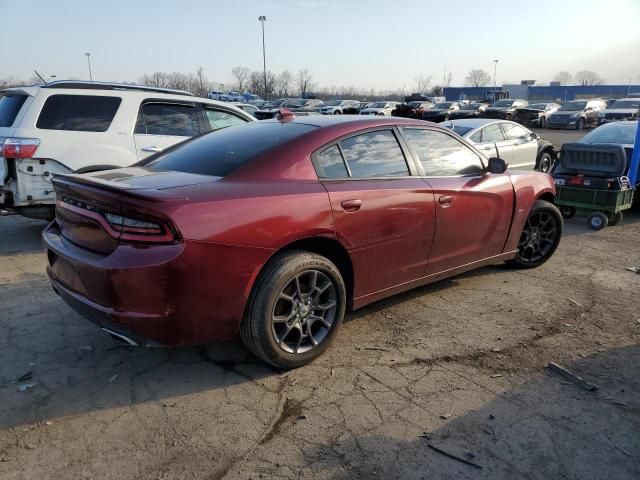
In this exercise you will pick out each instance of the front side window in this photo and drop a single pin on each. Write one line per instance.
(218, 119)
(83, 113)
(374, 154)
(442, 155)
(167, 119)
(515, 132)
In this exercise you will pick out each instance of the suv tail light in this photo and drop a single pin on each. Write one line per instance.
(20, 147)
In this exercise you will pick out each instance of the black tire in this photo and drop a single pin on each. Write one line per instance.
(598, 220)
(568, 212)
(544, 162)
(580, 124)
(337, 112)
(615, 219)
(540, 236)
(258, 328)
(543, 122)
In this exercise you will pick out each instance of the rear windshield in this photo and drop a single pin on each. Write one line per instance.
(9, 107)
(220, 152)
(84, 113)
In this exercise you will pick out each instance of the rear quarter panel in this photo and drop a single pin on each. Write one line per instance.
(528, 188)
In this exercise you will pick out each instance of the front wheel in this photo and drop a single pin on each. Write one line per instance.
(598, 220)
(568, 212)
(544, 163)
(580, 124)
(616, 219)
(296, 308)
(540, 236)
(543, 122)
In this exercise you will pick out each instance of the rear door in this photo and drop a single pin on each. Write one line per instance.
(524, 148)
(473, 208)
(383, 211)
(161, 124)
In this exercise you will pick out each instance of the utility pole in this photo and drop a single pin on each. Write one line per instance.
(263, 19)
(495, 85)
(89, 63)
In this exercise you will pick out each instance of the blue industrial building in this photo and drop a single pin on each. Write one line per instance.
(550, 93)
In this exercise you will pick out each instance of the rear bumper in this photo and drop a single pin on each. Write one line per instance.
(182, 294)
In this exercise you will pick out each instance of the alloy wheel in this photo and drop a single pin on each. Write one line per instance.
(304, 312)
(538, 238)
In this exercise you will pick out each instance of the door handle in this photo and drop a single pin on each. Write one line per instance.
(351, 205)
(153, 149)
(445, 200)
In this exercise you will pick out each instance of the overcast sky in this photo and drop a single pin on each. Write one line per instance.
(382, 44)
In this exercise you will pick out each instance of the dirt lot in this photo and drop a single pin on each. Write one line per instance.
(458, 365)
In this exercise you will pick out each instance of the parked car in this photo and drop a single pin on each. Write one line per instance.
(217, 95)
(620, 109)
(535, 114)
(521, 148)
(213, 261)
(277, 103)
(577, 114)
(412, 109)
(302, 104)
(469, 110)
(379, 108)
(73, 126)
(339, 107)
(504, 109)
(440, 111)
(247, 107)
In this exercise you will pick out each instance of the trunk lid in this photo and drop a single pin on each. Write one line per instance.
(84, 200)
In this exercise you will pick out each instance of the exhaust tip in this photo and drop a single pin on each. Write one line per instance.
(120, 337)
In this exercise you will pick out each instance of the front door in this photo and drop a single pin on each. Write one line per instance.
(524, 148)
(492, 142)
(473, 208)
(382, 213)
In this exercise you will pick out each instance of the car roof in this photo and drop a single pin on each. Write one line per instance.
(357, 121)
(474, 122)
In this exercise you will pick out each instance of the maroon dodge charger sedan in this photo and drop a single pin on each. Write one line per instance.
(274, 229)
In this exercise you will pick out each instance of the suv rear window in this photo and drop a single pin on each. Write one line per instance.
(10, 105)
(83, 113)
(220, 152)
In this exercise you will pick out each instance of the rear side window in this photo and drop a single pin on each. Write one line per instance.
(219, 119)
(10, 105)
(374, 154)
(167, 119)
(220, 152)
(329, 163)
(84, 113)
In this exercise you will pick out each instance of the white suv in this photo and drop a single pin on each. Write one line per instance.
(72, 126)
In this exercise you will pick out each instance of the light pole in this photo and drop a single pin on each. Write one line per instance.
(495, 86)
(263, 19)
(89, 63)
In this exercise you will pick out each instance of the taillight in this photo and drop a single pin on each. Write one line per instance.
(136, 230)
(20, 147)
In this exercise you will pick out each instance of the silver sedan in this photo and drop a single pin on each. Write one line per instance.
(520, 147)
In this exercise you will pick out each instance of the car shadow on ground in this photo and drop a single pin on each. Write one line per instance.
(548, 427)
(29, 238)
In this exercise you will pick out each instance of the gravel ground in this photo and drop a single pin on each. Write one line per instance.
(458, 365)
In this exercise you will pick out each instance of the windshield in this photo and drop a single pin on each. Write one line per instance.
(538, 106)
(442, 106)
(573, 106)
(220, 152)
(635, 104)
(502, 103)
(459, 129)
(471, 106)
(414, 104)
(620, 133)
(334, 103)
(378, 105)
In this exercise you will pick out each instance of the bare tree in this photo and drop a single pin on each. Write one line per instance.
(256, 83)
(422, 83)
(477, 78)
(587, 77)
(156, 79)
(563, 77)
(201, 83)
(303, 80)
(435, 91)
(283, 83)
(241, 76)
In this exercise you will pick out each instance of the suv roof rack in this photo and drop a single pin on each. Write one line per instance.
(111, 86)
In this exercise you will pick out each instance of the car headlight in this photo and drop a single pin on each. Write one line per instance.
(574, 115)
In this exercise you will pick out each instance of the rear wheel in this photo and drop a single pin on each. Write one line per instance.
(580, 124)
(540, 236)
(598, 220)
(568, 212)
(295, 310)
(615, 219)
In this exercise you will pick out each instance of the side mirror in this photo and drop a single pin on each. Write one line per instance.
(496, 165)
(534, 136)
